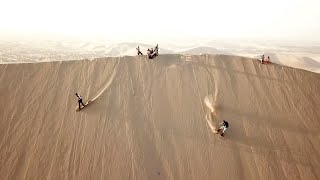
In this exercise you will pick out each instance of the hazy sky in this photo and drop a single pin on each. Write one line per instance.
(295, 19)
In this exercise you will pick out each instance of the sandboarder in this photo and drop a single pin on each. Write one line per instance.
(80, 101)
(224, 127)
(139, 52)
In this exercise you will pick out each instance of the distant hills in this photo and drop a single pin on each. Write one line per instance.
(204, 50)
(130, 49)
(298, 57)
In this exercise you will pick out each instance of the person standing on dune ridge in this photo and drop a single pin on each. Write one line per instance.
(156, 49)
(262, 59)
(139, 52)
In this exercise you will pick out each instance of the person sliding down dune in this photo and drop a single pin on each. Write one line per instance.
(224, 127)
(80, 101)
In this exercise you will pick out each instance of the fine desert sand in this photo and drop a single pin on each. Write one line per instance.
(151, 119)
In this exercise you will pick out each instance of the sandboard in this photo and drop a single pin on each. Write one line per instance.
(85, 105)
(219, 133)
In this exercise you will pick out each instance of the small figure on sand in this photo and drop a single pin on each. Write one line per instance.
(224, 127)
(80, 101)
(262, 58)
(265, 60)
(153, 53)
(156, 49)
(139, 52)
(148, 52)
(268, 59)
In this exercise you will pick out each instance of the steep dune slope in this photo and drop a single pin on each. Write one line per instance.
(148, 119)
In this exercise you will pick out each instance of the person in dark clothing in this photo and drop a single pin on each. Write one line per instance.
(262, 59)
(150, 53)
(139, 52)
(224, 127)
(156, 49)
(80, 101)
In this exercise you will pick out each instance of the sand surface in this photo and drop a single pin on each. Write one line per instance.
(150, 119)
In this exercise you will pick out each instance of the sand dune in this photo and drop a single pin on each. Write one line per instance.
(149, 119)
(296, 62)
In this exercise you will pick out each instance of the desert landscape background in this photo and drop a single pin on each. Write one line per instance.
(294, 54)
(149, 119)
(157, 118)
